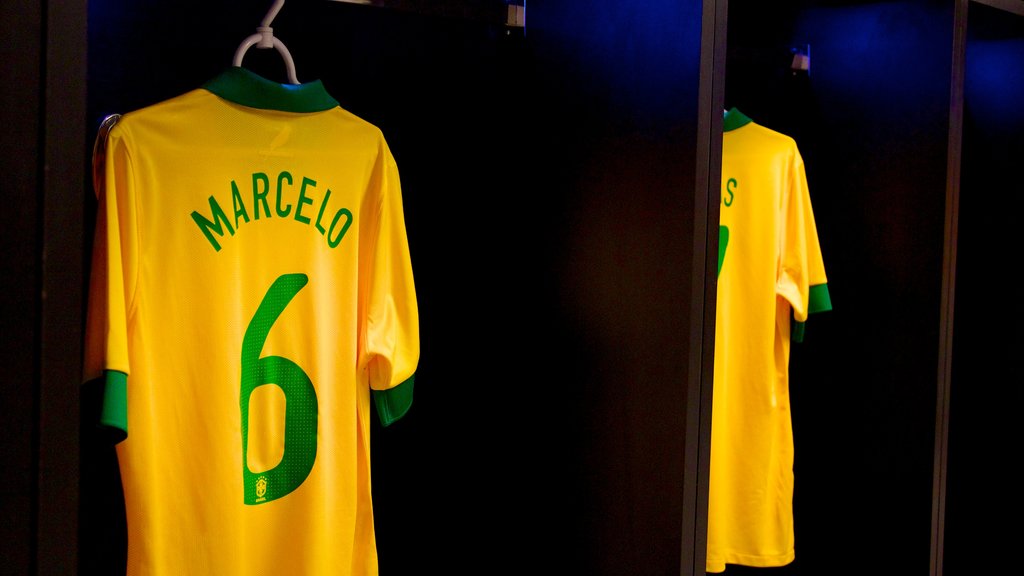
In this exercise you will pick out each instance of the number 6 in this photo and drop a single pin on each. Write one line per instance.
(301, 410)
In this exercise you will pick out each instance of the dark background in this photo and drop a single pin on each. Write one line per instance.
(551, 182)
(985, 433)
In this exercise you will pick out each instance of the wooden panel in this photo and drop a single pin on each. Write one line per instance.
(20, 48)
(64, 190)
(985, 394)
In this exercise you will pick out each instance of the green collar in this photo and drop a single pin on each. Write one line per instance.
(734, 119)
(249, 89)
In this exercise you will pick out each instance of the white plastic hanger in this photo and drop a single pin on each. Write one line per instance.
(264, 38)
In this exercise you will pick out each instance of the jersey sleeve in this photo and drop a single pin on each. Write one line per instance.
(111, 283)
(802, 281)
(390, 332)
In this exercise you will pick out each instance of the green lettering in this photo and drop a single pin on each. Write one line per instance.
(258, 197)
(236, 199)
(303, 199)
(327, 196)
(730, 193)
(333, 242)
(281, 177)
(205, 226)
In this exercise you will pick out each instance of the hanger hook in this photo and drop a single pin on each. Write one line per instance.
(272, 13)
(264, 38)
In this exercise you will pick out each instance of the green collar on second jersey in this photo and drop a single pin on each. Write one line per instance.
(244, 87)
(734, 119)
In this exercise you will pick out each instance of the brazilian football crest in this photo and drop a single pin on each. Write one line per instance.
(261, 488)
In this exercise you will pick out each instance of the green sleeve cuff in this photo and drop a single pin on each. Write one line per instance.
(392, 404)
(797, 331)
(818, 301)
(114, 411)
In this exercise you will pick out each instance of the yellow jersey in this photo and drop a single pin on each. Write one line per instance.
(771, 276)
(251, 298)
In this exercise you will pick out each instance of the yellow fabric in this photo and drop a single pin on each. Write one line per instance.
(170, 307)
(771, 260)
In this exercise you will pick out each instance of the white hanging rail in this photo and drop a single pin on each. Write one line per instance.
(264, 38)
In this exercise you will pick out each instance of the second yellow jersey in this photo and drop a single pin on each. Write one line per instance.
(251, 301)
(771, 276)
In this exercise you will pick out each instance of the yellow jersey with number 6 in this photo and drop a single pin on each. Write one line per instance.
(251, 300)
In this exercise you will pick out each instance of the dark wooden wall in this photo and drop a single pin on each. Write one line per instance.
(42, 153)
(19, 306)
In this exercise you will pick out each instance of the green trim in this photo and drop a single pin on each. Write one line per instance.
(819, 299)
(394, 403)
(734, 119)
(249, 89)
(797, 331)
(114, 413)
